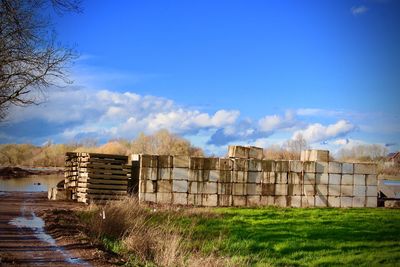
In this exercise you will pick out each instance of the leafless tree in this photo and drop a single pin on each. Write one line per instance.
(30, 58)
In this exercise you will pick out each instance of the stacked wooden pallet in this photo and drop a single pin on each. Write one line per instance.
(93, 177)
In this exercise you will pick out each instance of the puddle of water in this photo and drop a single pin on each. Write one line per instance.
(33, 183)
(391, 182)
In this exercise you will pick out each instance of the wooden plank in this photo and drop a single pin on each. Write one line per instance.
(109, 156)
(103, 186)
(103, 181)
(94, 160)
(101, 191)
(107, 176)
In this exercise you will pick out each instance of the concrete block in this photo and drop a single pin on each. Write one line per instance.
(295, 178)
(239, 201)
(256, 152)
(359, 202)
(267, 201)
(268, 165)
(371, 179)
(321, 167)
(209, 200)
(308, 201)
(196, 163)
(254, 177)
(148, 161)
(371, 202)
(347, 168)
(210, 188)
(281, 177)
(321, 190)
(238, 152)
(241, 165)
(180, 198)
(335, 178)
(239, 176)
(359, 179)
(255, 165)
(164, 173)
(334, 190)
(335, 167)
(141, 196)
(239, 189)
(210, 175)
(314, 155)
(268, 178)
(309, 166)
(295, 201)
(309, 190)
(150, 197)
(225, 200)
(195, 187)
(164, 198)
(180, 174)
(253, 189)
(225, 176)
(295, 166)
(282, 165)
(372, 191)
(281, 189)
(225, 164)
(253, 201)
(180, 186)
(321, 178)
(365, 168)
(148, 173)
(148, 186)
(295, 189)
(194, 175)
(392, 204)
(309, 178)
(334, 201)
(268, 189)
(195, 199)
(164, 186)
(225, 188)
(346, 202)
(347, 179)
(165, 161)
(281, 201)
(321, 201)
(346, 190)
(211, 163)
(181, 161)
(359, 190)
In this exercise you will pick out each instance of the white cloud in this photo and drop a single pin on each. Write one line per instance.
(317, 132)
(276, 122)
(358, 10)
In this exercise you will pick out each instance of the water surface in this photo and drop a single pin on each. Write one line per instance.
(32, 183)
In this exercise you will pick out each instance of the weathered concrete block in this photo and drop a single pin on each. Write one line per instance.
(359, 179)
(372, 191)
(268, 189)
(281, 189)
(267, 201)
(164, 186)
(211, 163)
(238, 152)
(141, 196)
(295, 201)
(165, 161)
(359, 190)
(321, 190)
(150, 197)
(195, 187)
(359, 202)
(335, 178)
(209, 200)
(392, 204)
(225, 176)
(180, 198)
(256, 152)
(334, 201)
(321, 201)
(365, 168)
(225, 188)
(281, 177)
(295, 178)
(210, 188)
(281, 201)
(225, 164)
(211, 175)
(253, 201)
(308, 201)
(254, 165)
(148, 186)
(268, 178)
(239, 189)
(309, 190)
(254, 177)
(321, 167)
(371, 179)
(148, 173)
(309, 166)
(181, 174)
(239, 201)
(253, 189)
(241, 165)
(164, 198)
(195, 199)
(148, 161)
(225, 200)
(295, 189)
(372, 202)
(268, 165)
(314, 155)
(295, 166)
(165, 173)
(194, 175)
(346, 202)
(321, 178)
(196, 163)
(347, 179)
(334, 190)
(180, 186)
(346, 190)
(239, 176)
(309, 178)
(335, 167)
(282, 166)
(181, 161)
(347, 168)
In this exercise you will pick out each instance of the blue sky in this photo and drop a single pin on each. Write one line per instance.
(220, 72)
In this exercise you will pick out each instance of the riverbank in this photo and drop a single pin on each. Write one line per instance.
(22, 172)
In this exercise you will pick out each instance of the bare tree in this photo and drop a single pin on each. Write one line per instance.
(297, 144)
(30, 59)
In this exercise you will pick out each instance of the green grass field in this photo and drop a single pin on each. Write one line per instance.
(299, 237)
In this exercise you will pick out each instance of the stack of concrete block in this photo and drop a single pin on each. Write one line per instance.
(225, 182)
(148, 177)
(314, 155)
(245, 152)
